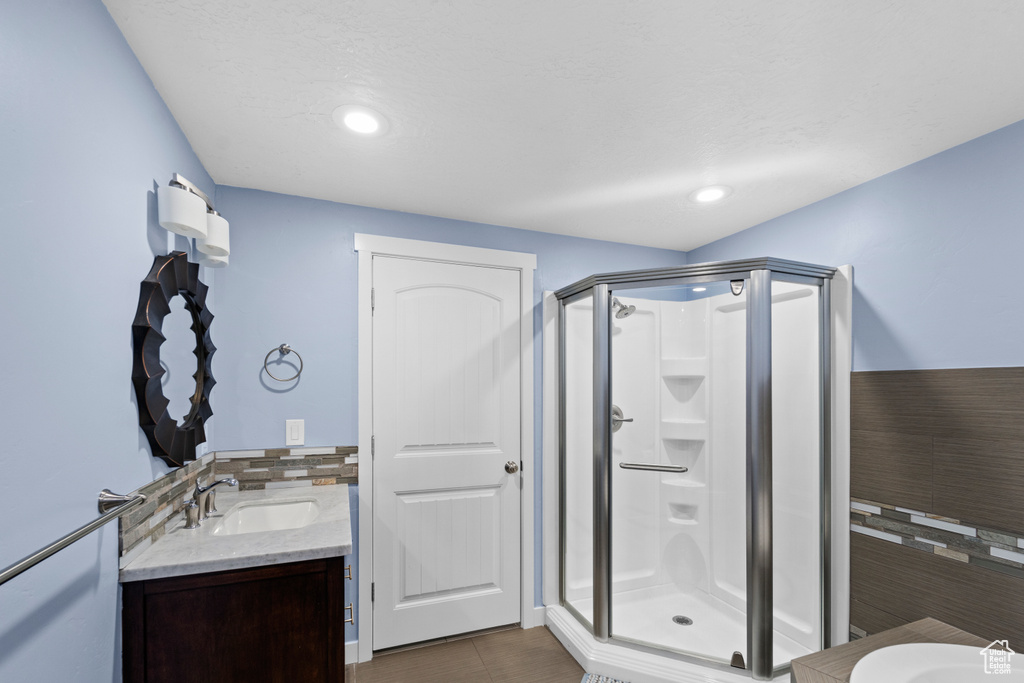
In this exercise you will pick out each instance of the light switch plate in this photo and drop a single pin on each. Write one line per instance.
(294, 432)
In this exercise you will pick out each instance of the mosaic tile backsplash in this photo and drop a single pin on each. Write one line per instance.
(254, 469)
(288, 467)
(951, 538)
(164, 507)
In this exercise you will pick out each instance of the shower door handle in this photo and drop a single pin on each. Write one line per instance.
(651, 467)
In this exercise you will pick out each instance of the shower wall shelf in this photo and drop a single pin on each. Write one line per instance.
(682, 522)
(682, 483)
(684, 430)
(684, 367)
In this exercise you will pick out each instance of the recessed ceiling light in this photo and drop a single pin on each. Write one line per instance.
(700, 289)
(709, 194)
(360, 120)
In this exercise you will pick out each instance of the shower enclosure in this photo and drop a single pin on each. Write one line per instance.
(694, 461)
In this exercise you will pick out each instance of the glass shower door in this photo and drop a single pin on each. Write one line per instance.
(577, 476)
(678, 468)
(797, 442)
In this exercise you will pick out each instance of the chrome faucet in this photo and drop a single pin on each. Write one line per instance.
(204, 496)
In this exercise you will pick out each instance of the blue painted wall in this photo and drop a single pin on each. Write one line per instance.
(84, 138)
(293, 278)
(936, 249)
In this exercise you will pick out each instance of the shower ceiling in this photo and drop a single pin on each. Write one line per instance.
(585, 118)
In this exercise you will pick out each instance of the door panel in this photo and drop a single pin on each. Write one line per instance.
(446, 378)
(448, 357)
(452, 542)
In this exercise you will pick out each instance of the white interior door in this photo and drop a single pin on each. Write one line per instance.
(446, 421)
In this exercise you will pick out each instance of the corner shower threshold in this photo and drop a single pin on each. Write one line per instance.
(631, 664)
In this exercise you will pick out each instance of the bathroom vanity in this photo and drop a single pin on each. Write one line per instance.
(278, 623)
(239, 600)
(836, 664)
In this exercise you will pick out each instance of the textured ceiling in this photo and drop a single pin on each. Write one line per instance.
(579, 117)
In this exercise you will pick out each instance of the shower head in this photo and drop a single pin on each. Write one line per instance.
(621, 311)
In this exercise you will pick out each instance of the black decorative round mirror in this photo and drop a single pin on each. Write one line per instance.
(171, 276)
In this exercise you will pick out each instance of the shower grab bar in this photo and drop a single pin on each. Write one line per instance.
(651, 467)
(111, 504)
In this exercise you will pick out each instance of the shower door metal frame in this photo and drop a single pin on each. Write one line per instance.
(602, 462)
(760, 543)
(758, 275)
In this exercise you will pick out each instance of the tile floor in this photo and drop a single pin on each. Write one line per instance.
(511, 655)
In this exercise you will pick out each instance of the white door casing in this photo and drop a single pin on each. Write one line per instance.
(501, 584)
(446, 421)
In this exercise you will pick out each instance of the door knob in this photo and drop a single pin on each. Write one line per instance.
(511, 467)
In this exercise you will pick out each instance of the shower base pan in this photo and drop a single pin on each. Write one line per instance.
(645, 666)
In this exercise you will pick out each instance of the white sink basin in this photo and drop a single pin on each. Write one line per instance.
(270, 515)
(931, 663)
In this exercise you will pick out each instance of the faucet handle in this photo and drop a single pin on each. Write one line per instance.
(211, 504)
(192, 514)
(205, 495)
(203, 489)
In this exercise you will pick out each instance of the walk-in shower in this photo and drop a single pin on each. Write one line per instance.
(694, 461)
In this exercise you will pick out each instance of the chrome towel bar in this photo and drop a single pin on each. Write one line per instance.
(650, 467)
(111, 504)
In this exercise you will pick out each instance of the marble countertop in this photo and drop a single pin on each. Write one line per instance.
(181, 551)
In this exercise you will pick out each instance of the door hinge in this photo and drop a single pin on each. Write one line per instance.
(373, 446)
(373, 592)
(373, 299)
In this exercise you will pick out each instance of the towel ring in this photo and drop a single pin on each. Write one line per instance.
(284, 349)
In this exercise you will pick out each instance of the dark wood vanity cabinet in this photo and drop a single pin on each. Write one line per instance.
(262, 625)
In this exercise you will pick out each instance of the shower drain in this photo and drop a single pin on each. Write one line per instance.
(681, 620)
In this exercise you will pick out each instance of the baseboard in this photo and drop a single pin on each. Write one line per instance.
(534, 617)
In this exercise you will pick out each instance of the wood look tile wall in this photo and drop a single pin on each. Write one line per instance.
(890, 467)
(947, 443)
(892, 585)
(981, 481)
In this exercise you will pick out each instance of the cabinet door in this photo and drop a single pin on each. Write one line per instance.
(270, 624)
